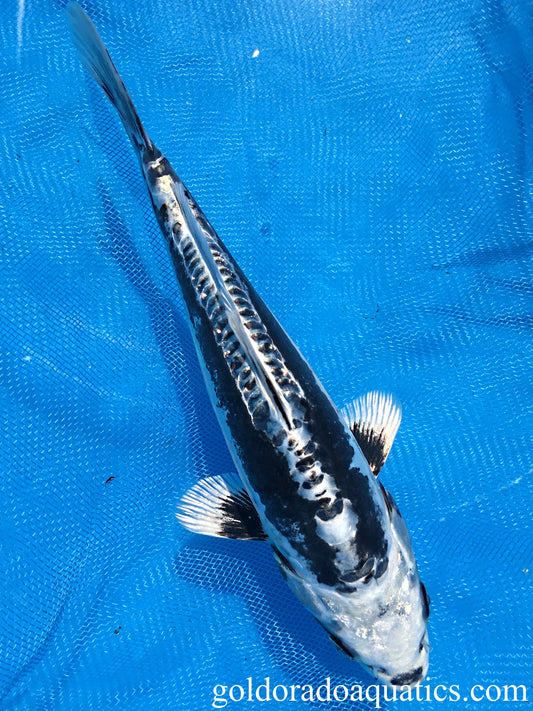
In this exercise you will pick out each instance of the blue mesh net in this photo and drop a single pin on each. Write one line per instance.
(369, 164)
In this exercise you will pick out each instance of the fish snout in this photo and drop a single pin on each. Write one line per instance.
(409, 679)
(413, 674)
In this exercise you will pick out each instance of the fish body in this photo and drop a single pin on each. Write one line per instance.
(306, 472)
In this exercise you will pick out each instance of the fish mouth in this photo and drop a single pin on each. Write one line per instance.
(410, 678)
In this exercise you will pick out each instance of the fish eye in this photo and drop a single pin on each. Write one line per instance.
(424, 644)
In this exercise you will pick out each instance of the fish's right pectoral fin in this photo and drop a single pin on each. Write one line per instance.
(221, 507)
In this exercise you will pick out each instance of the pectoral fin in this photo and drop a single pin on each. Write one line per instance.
(374, 419)
(220, 507)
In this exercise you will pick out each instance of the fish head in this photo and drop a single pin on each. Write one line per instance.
(379, 620)
(415, 672)
(384, 627)
(400, 653)
(383, 623)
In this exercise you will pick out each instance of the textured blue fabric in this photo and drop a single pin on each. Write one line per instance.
(369, 163)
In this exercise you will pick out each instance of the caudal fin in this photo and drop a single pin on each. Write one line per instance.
(95, 57)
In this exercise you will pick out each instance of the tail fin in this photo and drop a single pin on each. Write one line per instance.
(95, 57)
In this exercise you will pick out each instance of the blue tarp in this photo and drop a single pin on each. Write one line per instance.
(369, 164)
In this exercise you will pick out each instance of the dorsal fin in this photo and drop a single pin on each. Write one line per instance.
(374, 419)
(221, 507)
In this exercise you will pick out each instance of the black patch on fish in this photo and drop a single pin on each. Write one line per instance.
(350, 577)
(341, 646)
(306, 463)
(283, 563)
(425, 601)
(389, 502)
(329, 512)
(409, 678)
(241, 520)
(163, 167)
(337, 641)
(381, 567)
(364, 572)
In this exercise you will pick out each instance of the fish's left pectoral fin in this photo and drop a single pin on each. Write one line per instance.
(219, 506)
(374, 419)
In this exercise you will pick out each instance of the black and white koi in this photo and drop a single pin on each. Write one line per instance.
(307, 472)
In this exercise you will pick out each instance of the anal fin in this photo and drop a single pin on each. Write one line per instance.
(374, 419)
(220, 507)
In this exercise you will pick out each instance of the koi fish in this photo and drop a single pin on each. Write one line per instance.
(306, 478)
